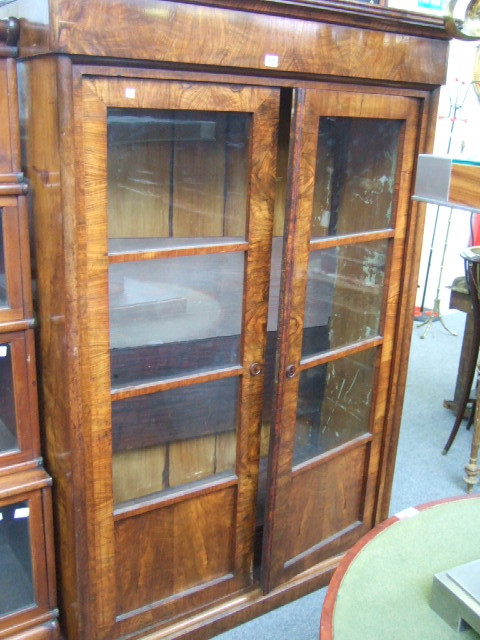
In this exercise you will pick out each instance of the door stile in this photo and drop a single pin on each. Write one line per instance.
(255, 311)
(388, 390)
(95, 338)
(290, 324)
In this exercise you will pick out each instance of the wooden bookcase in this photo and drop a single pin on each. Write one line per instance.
(226, 256)
(27, 577)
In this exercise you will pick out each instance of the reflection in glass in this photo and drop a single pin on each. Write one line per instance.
(334, 404)
(175, 437)
(175, 316)
(3, 278)
(16, 576)
(355, 175)
(8, 431)
(176, 175)
(344, 296)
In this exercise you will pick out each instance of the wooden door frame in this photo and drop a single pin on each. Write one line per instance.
(299, 199)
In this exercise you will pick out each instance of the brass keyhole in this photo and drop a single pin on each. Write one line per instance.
(255, 369)
(291, 371)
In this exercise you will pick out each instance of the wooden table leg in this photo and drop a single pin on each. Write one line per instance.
(472, 469)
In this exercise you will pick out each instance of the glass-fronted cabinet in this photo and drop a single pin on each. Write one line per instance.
(225, 257)
(240, 297)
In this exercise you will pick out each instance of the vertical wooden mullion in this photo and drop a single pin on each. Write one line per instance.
(255, 311)
(97, 430)
(303, 144)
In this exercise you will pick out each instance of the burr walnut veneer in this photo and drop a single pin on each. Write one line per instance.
(226, 257)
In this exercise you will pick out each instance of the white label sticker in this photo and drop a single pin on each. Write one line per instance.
(3, 350)
(271, 60)
(130, 92)
(407, 513)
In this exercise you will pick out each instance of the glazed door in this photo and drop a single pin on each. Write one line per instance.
(179, 194)
(350, 163)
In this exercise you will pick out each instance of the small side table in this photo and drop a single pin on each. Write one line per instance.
(382, 587)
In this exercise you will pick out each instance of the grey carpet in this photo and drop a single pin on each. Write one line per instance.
(422, 474)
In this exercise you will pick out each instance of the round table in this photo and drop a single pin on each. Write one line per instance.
(382, 586)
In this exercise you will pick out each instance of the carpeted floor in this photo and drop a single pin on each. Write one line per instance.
(422, 474)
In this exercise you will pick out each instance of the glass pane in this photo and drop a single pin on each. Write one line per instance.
(3, 278)
(176, 175)
(172, 438)
(344, 296)
(8, 431)
(334, 404)
(16, 577)
(175, 316)
(355, 175)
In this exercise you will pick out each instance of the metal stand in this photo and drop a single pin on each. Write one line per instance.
(454, 111)
(436, 313)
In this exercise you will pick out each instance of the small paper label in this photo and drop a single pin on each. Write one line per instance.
(407, 513)
(3, 350)
(130, 92)
(271, 60)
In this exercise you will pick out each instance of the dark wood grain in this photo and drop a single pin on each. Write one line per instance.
(164, 417)
(75, 29)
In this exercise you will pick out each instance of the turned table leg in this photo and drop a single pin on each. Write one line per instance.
(472, 469)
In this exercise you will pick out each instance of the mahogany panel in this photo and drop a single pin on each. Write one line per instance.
(228, 37)
(58, 390)
(324, 501)
(142, 543)
(154, 556)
